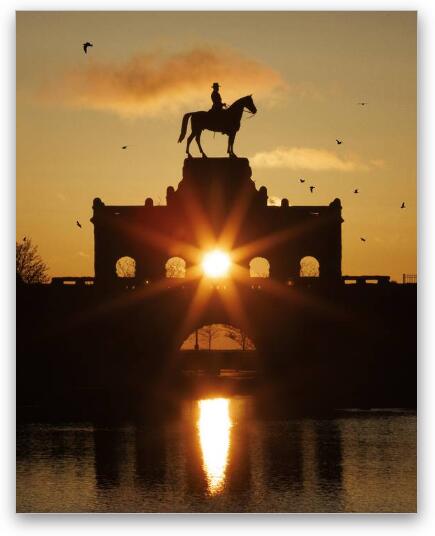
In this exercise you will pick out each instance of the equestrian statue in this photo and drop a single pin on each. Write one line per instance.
(219, 118)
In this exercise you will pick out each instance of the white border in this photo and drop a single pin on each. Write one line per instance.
(424, 522)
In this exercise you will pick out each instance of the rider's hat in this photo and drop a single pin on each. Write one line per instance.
(215, 86)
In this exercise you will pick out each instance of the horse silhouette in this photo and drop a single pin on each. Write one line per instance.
(225, 121)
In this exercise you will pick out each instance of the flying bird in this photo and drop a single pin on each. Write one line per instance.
(362, 103)
(356, 191)
(301, 180)
(402, 205)
(78, 224)
(312, 188)
(362, 239)
(126, 146)
(86, 46)
(339, 142)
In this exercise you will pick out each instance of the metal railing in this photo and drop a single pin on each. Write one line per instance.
(366, 279)
(409, 279)
(80, 281)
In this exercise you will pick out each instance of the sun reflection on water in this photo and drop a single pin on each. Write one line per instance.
(214, 425)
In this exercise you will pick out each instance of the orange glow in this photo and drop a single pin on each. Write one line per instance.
(216, 263)
(214, 426)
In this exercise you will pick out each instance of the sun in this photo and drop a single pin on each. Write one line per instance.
(216, 263)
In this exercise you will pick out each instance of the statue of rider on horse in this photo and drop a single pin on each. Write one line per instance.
(216, 99)
(219, 118)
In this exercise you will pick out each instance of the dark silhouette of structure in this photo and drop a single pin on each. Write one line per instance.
(208, 194)
(224, 121)
(325, 342)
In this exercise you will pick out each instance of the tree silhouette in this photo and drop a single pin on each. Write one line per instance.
(29, 265)
(259, 267)
(240, 337)
(309, 267)
(176, 267)
(209, 333)
(126, 267)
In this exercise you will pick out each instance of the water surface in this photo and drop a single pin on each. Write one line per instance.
(218, 456)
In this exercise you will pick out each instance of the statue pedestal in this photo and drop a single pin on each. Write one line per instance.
(215, 186)
(223, 169)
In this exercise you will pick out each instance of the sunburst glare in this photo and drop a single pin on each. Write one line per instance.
(216, 263)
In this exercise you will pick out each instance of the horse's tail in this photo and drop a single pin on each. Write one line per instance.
(184, 126)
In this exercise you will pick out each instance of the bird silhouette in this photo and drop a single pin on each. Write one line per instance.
(78, 224)
(356, 191)
(362, 239)
(339, 142)
(301, 180)
(402, 205)
(312, 188)
(25, 238)
(362, 103)
(86, 46)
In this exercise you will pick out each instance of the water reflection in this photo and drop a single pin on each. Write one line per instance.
(218, 456)
(329, 453)
(214, 426)
(151, 462)
(283, 455)
(109, 447)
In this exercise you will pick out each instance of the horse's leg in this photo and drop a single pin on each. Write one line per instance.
(231, 138)
(189, 140)
(198, 141)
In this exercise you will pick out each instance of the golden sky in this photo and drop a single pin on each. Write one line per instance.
(306, 70)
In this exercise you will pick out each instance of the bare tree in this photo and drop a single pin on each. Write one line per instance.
(309, 267)
(240, 337)
(126, 267)
(259, 267)
(176, 267)
(29, 265)
(209, 333)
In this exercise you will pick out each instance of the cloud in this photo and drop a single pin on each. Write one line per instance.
(377, 163)
(306, 158)
(152, 82)
(274, 201)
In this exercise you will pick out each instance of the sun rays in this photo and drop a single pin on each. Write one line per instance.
(216, 267)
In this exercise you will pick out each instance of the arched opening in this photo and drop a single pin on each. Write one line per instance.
(218, 337)
(309, 267)
(126, 267)
(259, 267)
(175, 267)
(220, 350)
